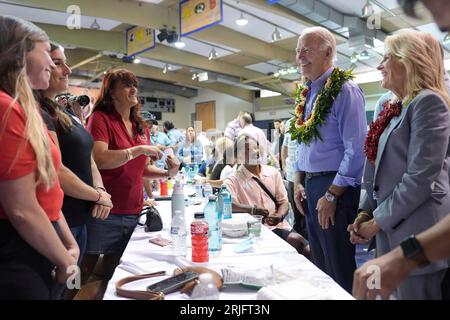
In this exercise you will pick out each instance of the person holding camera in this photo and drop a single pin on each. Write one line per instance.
(84, 193)
(121, 148)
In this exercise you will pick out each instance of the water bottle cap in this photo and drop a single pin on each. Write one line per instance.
(212, 197)
(199, 215)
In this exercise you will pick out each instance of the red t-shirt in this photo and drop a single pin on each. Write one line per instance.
(18, 151)
(124, 184)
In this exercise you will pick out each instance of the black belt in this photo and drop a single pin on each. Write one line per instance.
(309, 175)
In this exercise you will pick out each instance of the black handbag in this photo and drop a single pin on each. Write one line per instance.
(153, 221)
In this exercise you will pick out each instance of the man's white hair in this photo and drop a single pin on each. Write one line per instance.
(326, 38)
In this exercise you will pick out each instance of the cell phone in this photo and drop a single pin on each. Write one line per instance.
(173, 283)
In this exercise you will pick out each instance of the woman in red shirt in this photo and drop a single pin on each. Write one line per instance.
(121, 148)
(31, 196)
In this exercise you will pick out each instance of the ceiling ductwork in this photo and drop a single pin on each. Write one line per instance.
(351, 27)
(147, 85)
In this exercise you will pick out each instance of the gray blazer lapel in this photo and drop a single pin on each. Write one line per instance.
(385, 136)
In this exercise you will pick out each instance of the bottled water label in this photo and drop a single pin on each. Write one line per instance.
(227, 210)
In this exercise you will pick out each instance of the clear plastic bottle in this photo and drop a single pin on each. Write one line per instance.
(205, 289)
(226, 202)
(214, 219)
(177, 198)
(207, 190)
(178, 233)
(199, 189)
(199, 236)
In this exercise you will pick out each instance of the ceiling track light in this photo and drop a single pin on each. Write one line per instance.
(276, 35)
(167, 68)
(213, 54)
(95, 25)
(367, 10)
(242, 21)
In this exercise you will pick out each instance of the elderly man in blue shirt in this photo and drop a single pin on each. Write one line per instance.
(332, 165)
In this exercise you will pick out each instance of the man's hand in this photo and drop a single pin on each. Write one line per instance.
(100, 212)
(393, 267)
(299, 196)
(326, 211)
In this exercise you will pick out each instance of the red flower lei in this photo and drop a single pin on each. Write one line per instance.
(376, 128)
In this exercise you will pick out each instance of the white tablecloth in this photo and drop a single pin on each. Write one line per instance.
(296, 276)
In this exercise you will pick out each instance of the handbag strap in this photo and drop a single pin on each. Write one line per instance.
(267, 191)
(139, 294)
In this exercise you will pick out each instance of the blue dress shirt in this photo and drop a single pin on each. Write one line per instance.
(343, 135)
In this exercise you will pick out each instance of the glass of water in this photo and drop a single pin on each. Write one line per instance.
(254, 226)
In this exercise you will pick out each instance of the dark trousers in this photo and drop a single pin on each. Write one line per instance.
(299, 219)
(331, 249)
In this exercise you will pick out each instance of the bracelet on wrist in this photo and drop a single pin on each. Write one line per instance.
(364, 213)
(129, 154)
(101, 188)
(99, 196)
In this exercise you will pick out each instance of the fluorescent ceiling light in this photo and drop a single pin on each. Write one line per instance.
(268, 93)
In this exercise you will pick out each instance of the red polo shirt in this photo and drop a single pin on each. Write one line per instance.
(17, 158)
(124, 184)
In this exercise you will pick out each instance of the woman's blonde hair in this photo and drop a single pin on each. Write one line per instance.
(18, 39)
(420, 53)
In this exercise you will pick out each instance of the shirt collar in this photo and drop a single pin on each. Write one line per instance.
(247, 175)
(320, 81)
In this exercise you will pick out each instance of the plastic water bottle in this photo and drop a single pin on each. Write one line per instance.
(207, 190)
(214, 219)
(177, 198)
(205, 289)
(199, 238)
(198, 189)
(226, 202)
(178, 233)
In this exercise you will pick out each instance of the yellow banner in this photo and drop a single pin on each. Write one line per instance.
(196, 15)
(139, 39)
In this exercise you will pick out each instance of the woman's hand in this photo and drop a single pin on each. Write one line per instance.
(100, 211)
(260, 211)
(150, 202)
(151, 151)
(173, 164)
(272, 220)
(355, 237)
(105, 199)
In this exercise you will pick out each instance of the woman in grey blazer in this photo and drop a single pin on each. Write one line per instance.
(406, 172)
